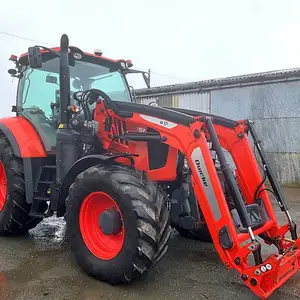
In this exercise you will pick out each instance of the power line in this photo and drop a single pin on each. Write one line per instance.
(44, 43)
(166, 75)
(24, 38)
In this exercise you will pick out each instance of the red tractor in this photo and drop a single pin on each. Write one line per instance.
(123, 174)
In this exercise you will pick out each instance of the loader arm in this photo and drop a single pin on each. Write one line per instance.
(234, 233)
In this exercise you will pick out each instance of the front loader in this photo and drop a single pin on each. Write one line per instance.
(123, 174)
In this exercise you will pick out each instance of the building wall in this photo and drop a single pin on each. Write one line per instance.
(200, 101)
(275, 109)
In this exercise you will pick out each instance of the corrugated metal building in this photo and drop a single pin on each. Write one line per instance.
(271, 99)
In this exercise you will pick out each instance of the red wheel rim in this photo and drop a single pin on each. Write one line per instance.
(101, 245)
(3, 188)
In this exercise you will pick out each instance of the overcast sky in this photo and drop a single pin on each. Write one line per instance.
(183, 40)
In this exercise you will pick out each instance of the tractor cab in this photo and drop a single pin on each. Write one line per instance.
(38, 97)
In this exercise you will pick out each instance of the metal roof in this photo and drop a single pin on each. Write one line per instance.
(226, 82)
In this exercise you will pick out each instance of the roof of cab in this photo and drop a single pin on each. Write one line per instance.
(23, 59)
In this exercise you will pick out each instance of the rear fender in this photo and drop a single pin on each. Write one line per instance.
(24, 139)
(79, 166)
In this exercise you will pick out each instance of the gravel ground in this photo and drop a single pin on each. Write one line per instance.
(41, 266)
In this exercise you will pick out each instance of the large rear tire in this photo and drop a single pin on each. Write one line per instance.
(137, 237)
(14, 210)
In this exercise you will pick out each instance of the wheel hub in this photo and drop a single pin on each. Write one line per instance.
(110, 222)
(101, 225)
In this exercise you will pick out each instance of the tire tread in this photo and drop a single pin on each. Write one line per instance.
(149, 204)
(19, 221)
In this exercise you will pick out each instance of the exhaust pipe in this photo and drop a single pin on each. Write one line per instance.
(67, 139)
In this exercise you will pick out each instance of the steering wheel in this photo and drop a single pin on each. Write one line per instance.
(109, 103)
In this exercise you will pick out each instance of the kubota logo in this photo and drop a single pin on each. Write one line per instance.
(201, 172)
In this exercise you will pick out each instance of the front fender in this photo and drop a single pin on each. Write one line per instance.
(23, 138)
(79, 166)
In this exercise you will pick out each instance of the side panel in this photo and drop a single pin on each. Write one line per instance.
(159, 160)
(23, 137)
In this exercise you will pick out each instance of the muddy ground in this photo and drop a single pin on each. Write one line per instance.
(41, 266)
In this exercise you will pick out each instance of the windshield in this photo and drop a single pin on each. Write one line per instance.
(39, 88)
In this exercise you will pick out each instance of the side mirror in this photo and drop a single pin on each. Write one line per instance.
(35, 57)
(51, 79)
(12, 72)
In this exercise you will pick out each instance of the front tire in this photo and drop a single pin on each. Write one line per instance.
(136, 238)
